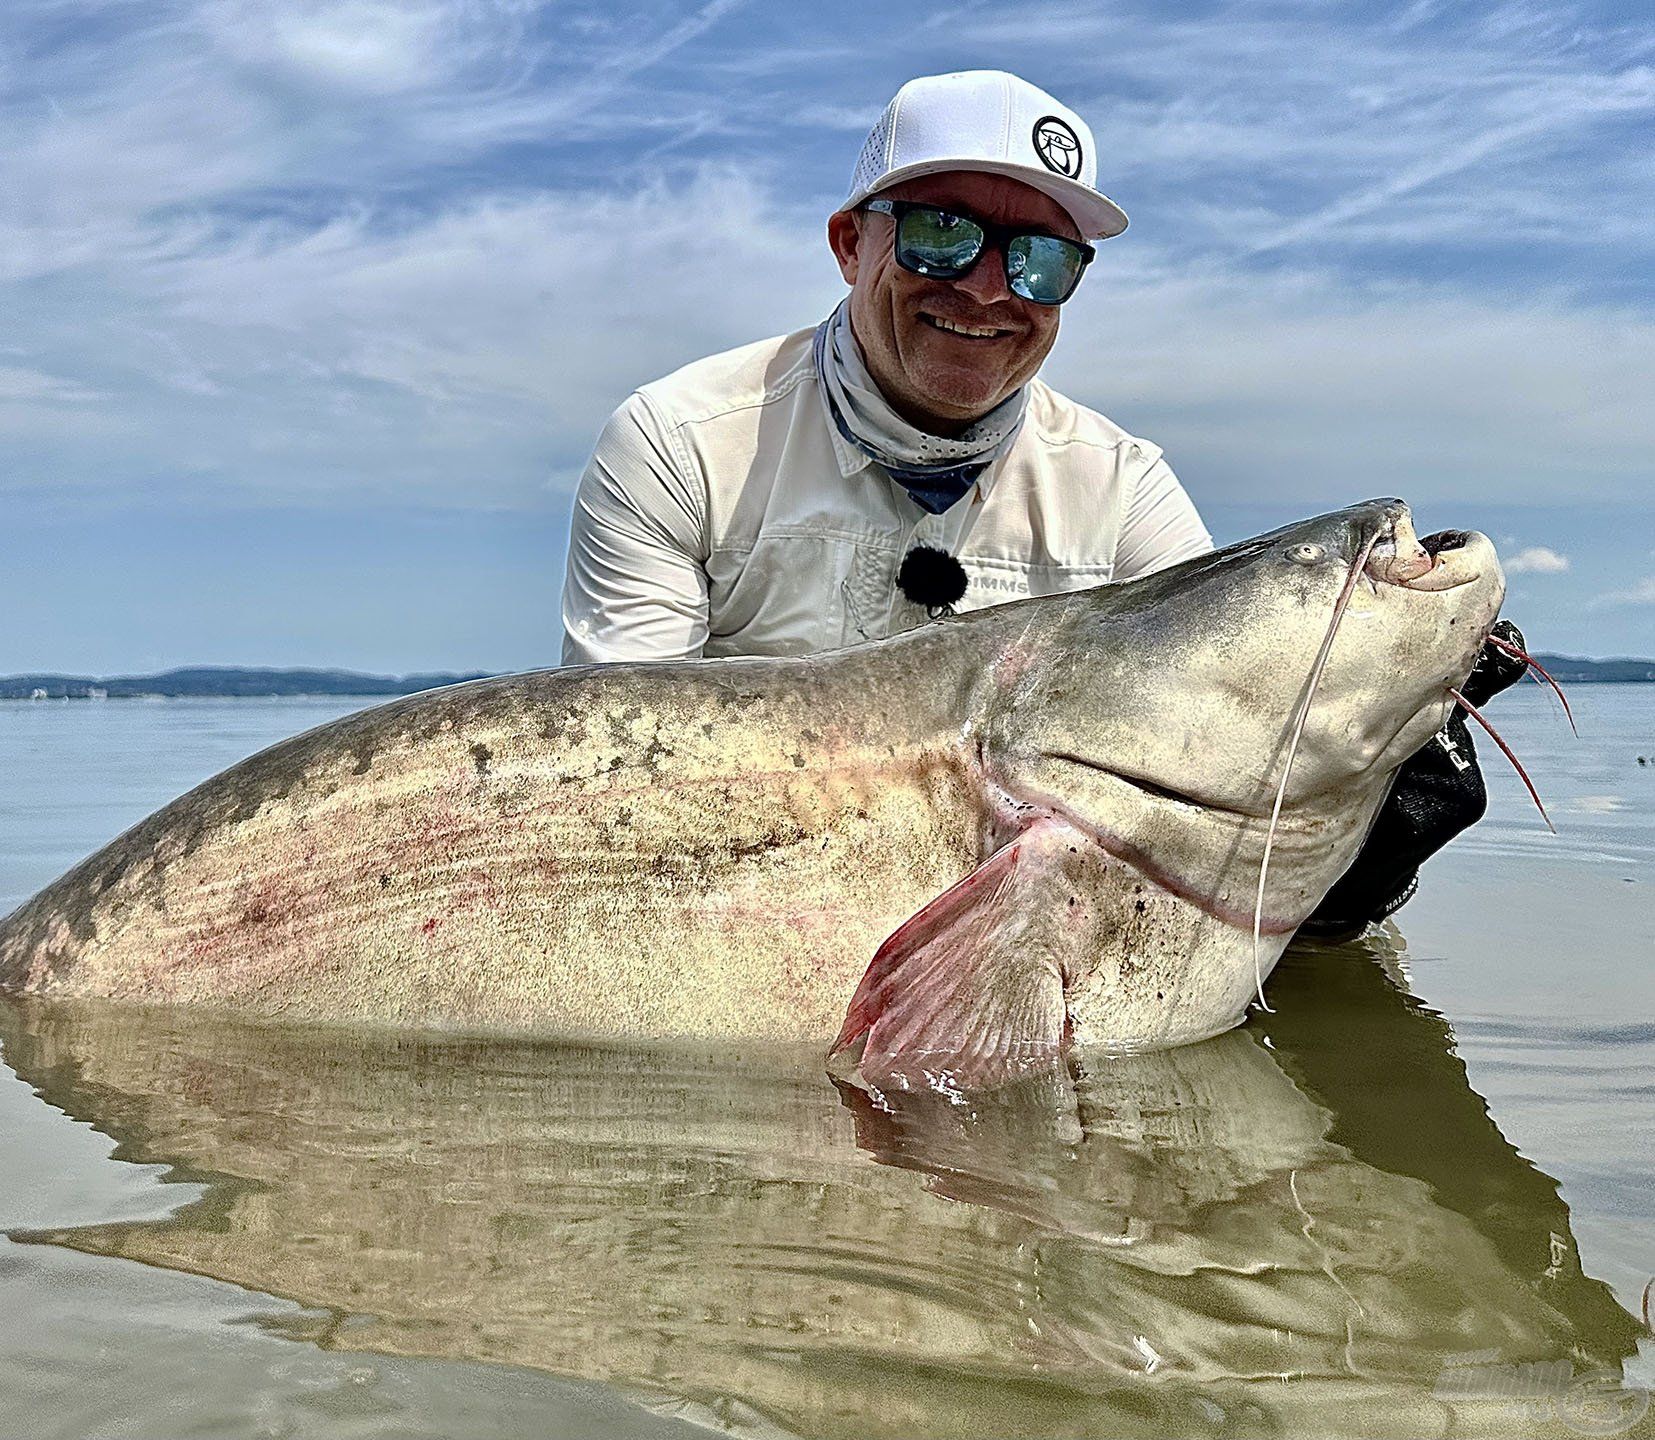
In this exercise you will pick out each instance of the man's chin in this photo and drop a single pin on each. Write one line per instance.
(954, 379)
(959, 404)
(973, 374)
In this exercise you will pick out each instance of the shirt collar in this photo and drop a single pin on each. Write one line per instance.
(852, 460)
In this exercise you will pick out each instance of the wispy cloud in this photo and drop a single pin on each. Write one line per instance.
(411, 252)
(1298, 129)
(1536, 560)
(1295, 385)
(326, 216)
(462, 356)
(1641, 593)
(1551, 120)
(17, 383)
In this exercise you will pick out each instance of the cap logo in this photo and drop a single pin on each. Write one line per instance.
(1058, 146)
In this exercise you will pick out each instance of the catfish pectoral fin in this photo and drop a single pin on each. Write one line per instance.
(969, 991)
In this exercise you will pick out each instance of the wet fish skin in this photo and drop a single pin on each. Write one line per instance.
(675, 849)
(1155, 727)
(719, 847)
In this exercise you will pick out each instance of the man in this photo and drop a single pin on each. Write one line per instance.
(762, 501)
(775, 500)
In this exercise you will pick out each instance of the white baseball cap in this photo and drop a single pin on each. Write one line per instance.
(992, 121)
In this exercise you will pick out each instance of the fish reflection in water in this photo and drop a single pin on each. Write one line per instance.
(1290, 1228)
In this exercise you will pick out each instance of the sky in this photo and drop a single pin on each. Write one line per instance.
(311, 312)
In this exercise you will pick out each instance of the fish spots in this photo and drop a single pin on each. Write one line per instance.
(732, 699)
(430, 926)
(621, 725)
(615, 831)
(703, 865)
(384, 882)
(777, 839)
(568, 726)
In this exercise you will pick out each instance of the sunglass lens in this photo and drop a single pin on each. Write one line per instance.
(1044, 268)
(933, 242)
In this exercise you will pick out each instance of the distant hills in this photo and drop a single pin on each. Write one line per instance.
(233, 680)
(1567, 668)
(220, 680)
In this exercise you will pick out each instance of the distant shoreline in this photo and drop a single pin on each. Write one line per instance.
(225, 682)
(229, 682)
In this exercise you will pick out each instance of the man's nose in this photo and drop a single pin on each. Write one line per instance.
(985, 282)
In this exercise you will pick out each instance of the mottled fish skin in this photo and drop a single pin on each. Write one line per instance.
(705, 848)
(718, 848)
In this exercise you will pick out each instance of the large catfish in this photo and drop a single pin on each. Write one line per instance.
(1045, 823)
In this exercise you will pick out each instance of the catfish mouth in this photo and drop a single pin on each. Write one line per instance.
(1445, 540)
(1438, 562)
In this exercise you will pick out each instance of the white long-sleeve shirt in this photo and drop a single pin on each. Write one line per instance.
(723, 514)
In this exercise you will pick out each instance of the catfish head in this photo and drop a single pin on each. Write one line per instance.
(1187, 684)
(1145, 747)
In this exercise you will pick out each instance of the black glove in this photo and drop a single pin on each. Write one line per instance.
(1438, 793)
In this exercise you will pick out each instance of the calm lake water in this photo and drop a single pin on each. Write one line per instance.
(1420, 1187)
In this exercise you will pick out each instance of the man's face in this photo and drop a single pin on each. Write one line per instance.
(934, 377)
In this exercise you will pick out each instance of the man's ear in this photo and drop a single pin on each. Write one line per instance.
(845, 239)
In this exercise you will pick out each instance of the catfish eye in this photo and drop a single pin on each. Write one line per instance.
(1306, 554)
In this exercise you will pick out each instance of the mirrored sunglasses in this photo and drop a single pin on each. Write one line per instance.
(942, 245)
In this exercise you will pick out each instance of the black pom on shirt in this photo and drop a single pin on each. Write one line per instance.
(932, 578)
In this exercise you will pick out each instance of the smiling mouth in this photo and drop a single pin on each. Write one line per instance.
(959, 327)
